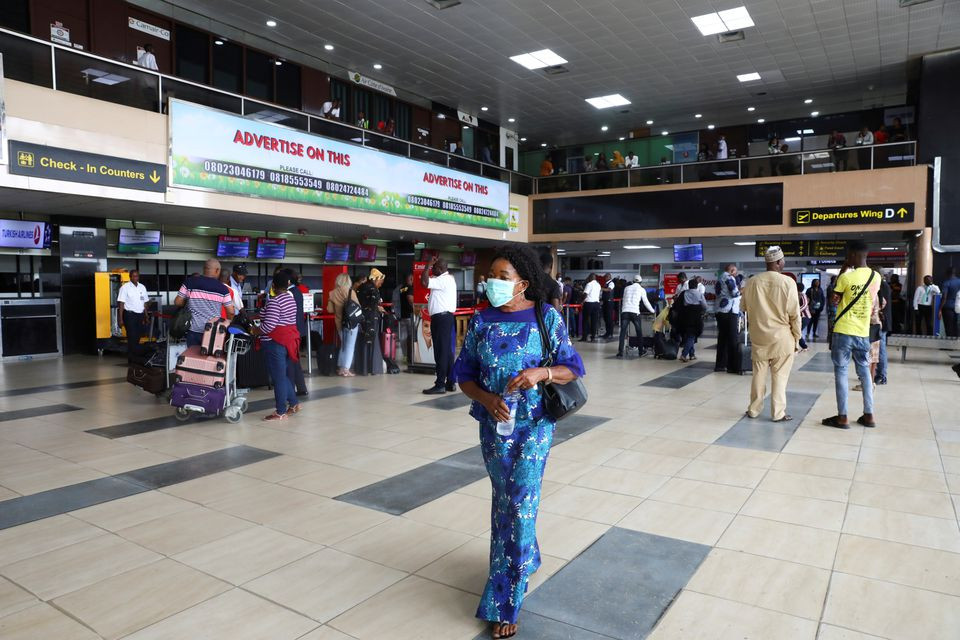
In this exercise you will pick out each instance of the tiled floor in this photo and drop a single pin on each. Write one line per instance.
(665, 513)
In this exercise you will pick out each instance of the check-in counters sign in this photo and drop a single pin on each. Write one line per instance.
(89, 168)
(853, 214)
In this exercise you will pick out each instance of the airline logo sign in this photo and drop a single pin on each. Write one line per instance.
(370, 83)
(38, 161)
(853, 214)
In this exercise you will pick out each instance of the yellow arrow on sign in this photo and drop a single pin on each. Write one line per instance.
(902, 212)
(154, 177)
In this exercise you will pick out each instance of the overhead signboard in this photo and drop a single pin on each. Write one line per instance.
(856, 214)
(804, 248)
(223, 152)
(370, 83)
(38, 161)
(146, 27)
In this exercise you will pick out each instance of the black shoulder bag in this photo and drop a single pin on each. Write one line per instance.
(856, 298)
(559, 400)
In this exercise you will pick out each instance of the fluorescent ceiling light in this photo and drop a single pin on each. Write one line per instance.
(538, 59)
(649, 121)
(729, 20)
(218, 41)
(808, 101)
(806, 131)
(663, 133)
(793, 139)
(888, 248)
(622, 138)
(511, 119)
(711, 126)
(814, 113)
(441, 116)
(543, 144)
(760, 120)
(271, 23)
(484, 108)
(279, 63)
(111, 79)
(523, 139)
(698, 115)
(605, 102)
(641, 246)
(465, 127)
(328, 47)
(746, 244)
(378, 66)
(751, 109)
(604, 128)
(748, 77)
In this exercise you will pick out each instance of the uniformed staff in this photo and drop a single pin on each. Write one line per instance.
(131, 304)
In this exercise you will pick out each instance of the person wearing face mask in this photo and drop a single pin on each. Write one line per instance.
(441, 305)
(501, 354)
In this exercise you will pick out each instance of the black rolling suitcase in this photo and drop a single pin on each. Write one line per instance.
(252, 368)
(664, 349)
(327, 359)
(743, 362)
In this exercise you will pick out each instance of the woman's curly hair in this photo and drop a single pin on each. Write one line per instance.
(527, 263)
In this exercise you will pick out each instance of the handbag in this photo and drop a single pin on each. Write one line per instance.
(559, 400)
(352, 314)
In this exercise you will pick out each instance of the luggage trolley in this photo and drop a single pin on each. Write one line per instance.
(235, 402)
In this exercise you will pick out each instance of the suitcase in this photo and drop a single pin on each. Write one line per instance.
(743, 364)
(150, 379)
(198, 397)
(252, 369)
(664, 349)
(388, 344)
(196, 368)
(327, 359)
(215, 338)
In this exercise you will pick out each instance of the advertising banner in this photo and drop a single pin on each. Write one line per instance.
(24, 234)
(223, 152)
(852, 214)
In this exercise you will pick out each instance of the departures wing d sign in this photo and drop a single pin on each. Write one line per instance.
(38, 161)
(857, 214)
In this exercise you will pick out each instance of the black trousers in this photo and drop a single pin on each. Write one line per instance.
(133, 323)
(591, 319)
(815, 323)
(608, 319)
(442, 328)
(924, 320)
(727, 335)
(626, 319)
(950, 322)
(295, 375)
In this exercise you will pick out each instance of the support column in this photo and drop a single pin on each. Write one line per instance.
(923, 251)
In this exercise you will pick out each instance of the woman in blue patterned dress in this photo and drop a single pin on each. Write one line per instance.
(501, 354)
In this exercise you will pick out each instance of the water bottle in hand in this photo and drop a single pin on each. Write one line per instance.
(510, 399)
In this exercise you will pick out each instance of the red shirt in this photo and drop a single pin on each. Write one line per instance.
(880, 137)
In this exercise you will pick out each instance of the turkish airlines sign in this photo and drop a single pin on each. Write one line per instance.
(21, 234)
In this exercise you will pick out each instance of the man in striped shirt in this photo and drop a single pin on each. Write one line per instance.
(204, 296)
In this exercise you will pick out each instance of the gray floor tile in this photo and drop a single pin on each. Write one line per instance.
(65, 499)
(534, 627)
(7, 393)
(33, 412)
(168, 473)
(765, 435)
(417, 487)
(682, 376)
(620, 586)
(448, 402)
(820, 362)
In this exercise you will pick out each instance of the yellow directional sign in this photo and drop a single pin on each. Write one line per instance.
(28, 159)
(856, 214)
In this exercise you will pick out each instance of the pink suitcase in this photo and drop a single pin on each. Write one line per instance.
(215, 338)
(196, 368)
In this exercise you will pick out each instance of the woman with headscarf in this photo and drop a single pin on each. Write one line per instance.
(618, 161)
(500, 361)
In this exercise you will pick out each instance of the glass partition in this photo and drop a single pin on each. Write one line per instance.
(386, 143)
(710, 171)
(602, 180)
(428, 155)
(269, 113)
(653, 176)
(333, 129)
(199, 95)
(521, 184)
(103, 80)
(901, 154)
(26, 61)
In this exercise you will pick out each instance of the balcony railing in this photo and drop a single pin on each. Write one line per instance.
(34, 61)
(880, 156)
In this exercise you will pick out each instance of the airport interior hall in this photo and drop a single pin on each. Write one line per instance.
(584, 320)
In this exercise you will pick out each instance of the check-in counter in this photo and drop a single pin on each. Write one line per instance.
(30, 328)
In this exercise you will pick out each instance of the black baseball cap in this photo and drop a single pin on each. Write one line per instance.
(240, 269)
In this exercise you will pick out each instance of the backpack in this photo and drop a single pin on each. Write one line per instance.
(352, 314)
(180, 324)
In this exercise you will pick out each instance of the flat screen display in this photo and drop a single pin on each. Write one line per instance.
(25, 234)
(688, 252)
(337, 252)
(139, 241)
(233, 246)
(365, 253)
(271, 248)
(468, 259)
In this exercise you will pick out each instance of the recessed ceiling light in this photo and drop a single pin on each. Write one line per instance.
(814, 113)
(279, 63)
(605, 102)
(271, 23)
(511, 119)
(523, 139)
(808, 101)
(746, 244)
(484, 108)
(543, 144)
(465, 127)
(748, 77)
(698, 115)
(729, 20)
(441, 116)
(622, 138)
(641, 246)
(328, 47)
(649, 121)
(378, 66)
(538, 59)
(218, 41)
(604, 128)
(663, 133)
(760, 120)
(751, 108)
(711, 126)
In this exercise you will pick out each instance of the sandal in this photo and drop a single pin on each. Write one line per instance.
(834, 421)
(862, 420)
(275, 416)
(786, 418)
(501, 630)
(295, 408)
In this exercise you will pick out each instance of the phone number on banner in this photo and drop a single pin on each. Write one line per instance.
(234, 170)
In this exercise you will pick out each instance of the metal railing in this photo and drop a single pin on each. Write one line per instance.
(858, 158)
(62, 68)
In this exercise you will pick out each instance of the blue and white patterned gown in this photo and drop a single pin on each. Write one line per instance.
(497, 347)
